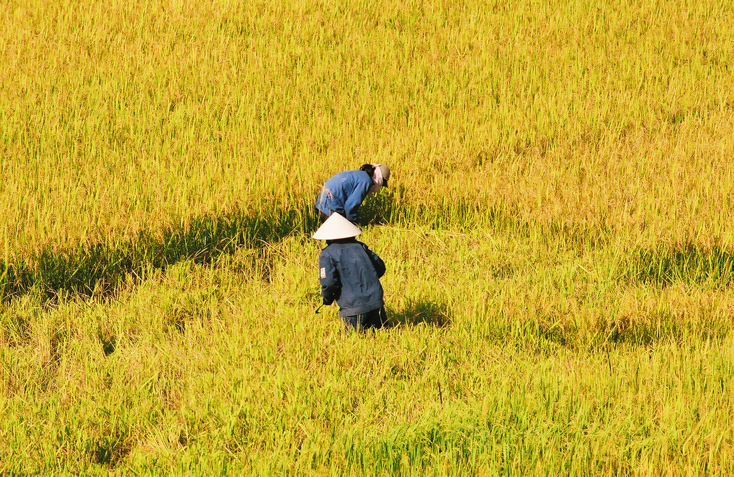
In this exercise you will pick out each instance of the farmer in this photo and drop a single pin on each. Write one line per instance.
(344, 192)
(350, 273)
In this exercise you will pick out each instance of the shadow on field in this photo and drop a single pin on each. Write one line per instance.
(101, 269)
(416, 312)
(687, 263)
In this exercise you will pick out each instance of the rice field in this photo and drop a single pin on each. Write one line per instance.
(558, 234)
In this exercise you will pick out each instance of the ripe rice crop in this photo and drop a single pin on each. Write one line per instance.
(558, 234)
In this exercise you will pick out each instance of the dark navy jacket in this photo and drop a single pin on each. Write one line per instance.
(343, 193)
(350, 273)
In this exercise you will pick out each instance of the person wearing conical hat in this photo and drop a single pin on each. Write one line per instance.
(349, 273)
(344, 192)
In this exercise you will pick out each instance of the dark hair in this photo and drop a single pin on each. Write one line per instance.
(369, 169)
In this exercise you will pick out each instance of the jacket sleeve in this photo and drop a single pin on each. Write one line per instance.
(329, 279)
(376, 261)
(351, 205)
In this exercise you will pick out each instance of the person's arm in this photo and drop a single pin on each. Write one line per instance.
(329, 279)
(351, 205)
(376, 261)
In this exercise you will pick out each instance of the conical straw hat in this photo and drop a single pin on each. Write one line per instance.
(336, 227)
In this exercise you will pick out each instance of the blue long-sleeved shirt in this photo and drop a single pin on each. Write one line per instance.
(350, 273)
(343, 193)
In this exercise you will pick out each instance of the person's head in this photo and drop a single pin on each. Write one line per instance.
(379, 173)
